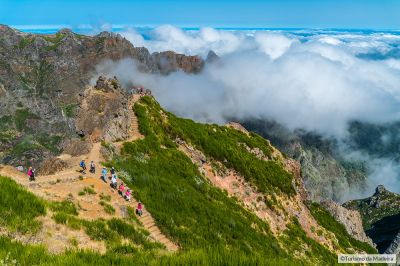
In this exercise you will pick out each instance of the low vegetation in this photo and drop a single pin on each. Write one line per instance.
(19, 138)
(55, 41)
(66, 206)
(19, 209)
(24, 42)
(107, 207)
(220, 143)
(70, 109)
(87, 191)
(20, 118)
(105, 197)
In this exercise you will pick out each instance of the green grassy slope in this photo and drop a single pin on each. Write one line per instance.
(194, 213)
(210, 227)
(18, 208)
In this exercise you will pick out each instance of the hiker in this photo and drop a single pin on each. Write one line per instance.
(128, 195)
(82, 164)
(104, 174)
(121, 189)
(114, 181)
(31, 174)
(92, 167)
(112, 171)
(139, 208)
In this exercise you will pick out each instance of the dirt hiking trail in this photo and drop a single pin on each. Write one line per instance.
(68, 183)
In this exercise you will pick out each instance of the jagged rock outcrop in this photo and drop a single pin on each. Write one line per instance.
(381, 216)
(104, 112)
(212, 57)
(107, 85)
(238, 126)
(170, 61)
(351, 219)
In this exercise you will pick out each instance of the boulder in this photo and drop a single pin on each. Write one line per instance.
(76, 147)
(52, 166)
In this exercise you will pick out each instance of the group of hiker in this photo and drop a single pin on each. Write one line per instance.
(123, 190)
(92, 169)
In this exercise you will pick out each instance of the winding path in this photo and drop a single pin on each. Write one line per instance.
(69, 178)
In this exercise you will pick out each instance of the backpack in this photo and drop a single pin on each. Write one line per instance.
(82, 164)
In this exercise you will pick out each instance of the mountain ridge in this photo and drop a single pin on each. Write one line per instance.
(42, 80)
(219, 193)
(161, 176)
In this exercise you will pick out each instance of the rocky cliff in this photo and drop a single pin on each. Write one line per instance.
(351, 219)
(327, 175)
(44, 79)
(104, 112)
(381, 216)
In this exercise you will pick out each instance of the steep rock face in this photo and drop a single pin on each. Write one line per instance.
(351, 219)
(326, 174)
(394, 247)
(43, 79)
(104, 112)
(170, 61)
(381, 216)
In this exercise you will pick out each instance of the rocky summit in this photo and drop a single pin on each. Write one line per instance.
(43, 89)
(381, 216)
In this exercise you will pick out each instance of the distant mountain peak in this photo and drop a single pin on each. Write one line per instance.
(381, 190)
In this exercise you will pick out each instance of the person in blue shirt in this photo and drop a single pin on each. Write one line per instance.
(82, 164)
(104, 174)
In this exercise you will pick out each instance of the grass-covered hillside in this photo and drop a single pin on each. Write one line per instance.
(209, 226)
(199, 216)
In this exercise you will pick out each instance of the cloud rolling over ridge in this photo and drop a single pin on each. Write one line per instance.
(318, 81)
(313, 82)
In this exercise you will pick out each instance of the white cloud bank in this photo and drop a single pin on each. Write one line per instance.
(313, 82)
(316, 82)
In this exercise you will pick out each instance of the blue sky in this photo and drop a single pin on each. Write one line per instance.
(370, 14)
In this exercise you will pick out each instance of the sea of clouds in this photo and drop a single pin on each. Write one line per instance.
(315, 80)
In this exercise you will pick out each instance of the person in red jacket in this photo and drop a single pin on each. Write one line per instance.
(128, 195)
(121, 189)
(31, 174)
(139, 209)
